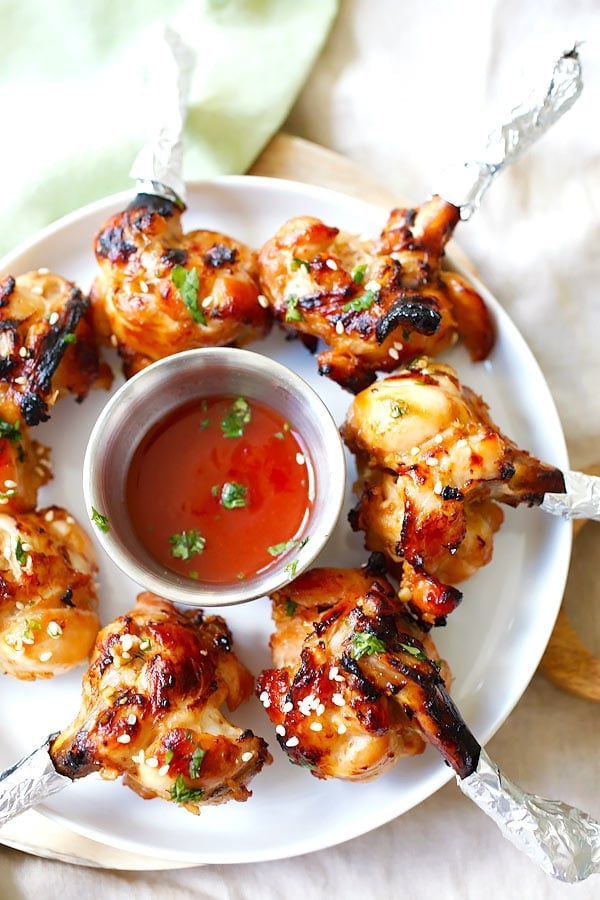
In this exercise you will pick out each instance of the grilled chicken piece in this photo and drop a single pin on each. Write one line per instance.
(150, 709)
(356, 683)
(433, 467)
(48, 618)
(47, 345)
(376, 304)
(24, 467)
(161, 291)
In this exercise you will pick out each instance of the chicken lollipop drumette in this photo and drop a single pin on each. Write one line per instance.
(151, 709)
(376, 304)
(433, 468)
(161, 291)
(356, 683)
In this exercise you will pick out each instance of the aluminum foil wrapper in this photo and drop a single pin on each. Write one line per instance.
(562, 840)
(158, 167)
(29, 782)
(464, 186)
(581, 500)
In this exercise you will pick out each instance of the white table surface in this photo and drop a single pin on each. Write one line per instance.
(403, 88)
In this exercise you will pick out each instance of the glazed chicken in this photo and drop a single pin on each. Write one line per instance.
(433, 467)
(356, 683)
(24, 468)
(161, 291)
(151, 709)
(48, 618)
(376, 304)
(47, 346)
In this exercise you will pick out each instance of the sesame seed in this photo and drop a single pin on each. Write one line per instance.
(414, 451)
(9, 483)
(40, 471)
(70, 520)
(300, 459)
(44, 657)
(37, 289)
(342, 728)
(333, 671)
(20, 605)
(432, 461)
(280, 729)
(23, 352)
(125, 654)
(262, 301)
(316, 726)
(320, 709)
(131, 719)
(404, 594)
(164, 769)
(247, 756)
(123, 739)
(461, 442)
(152, 762)
(438, 439)
(292, 742)
(54, 629)
(372, 286)
(437, 488)
(265, 699)
(338, 700)
(53, 318)
(287, 707)
(143, 287)
(49, 516)
(393, 353)
(26, 547)
(331, 264)
(127, 641)
(339, 327)
(398, 345)
(207, 301)
(43, 271)
(20, 380)
(3, 500)
(114, 340)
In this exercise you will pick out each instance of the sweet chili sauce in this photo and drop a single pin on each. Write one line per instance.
(219, 488)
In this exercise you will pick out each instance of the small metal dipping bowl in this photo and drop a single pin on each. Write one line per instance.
(151, 395)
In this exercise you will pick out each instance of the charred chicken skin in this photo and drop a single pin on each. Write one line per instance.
(376, 304)
(151, 709)
(161, 291)
(47, 346)
(433, 467)
(356, 683)
(48, 618)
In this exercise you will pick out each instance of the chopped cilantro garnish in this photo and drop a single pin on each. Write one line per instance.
(292, 313)
(196, 761)
(291, 568)
(414, 651)
(397, 409)
(365, 301)
(187, 283)
(99, 520)
(10, 431)
(233, 495)
(290, 606)
(358, 273)
(296, 263)
(169, 756)
(238, 416)
(180, 792)
(284, 546)
(364, 643)
(186, 544)
(20, 553)
(69, 338)
(30, 626)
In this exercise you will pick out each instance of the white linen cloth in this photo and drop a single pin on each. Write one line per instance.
(405, 88)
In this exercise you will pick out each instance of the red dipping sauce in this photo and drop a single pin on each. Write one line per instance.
(219, 488)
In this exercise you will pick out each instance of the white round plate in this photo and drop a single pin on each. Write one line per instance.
(493, 642)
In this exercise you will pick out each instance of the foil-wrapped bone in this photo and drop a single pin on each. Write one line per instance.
(561, 840)
(29, 782)
(465, 185)
(580, 501)
(158, 167)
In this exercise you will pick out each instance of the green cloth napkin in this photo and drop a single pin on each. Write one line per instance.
(74, 111)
